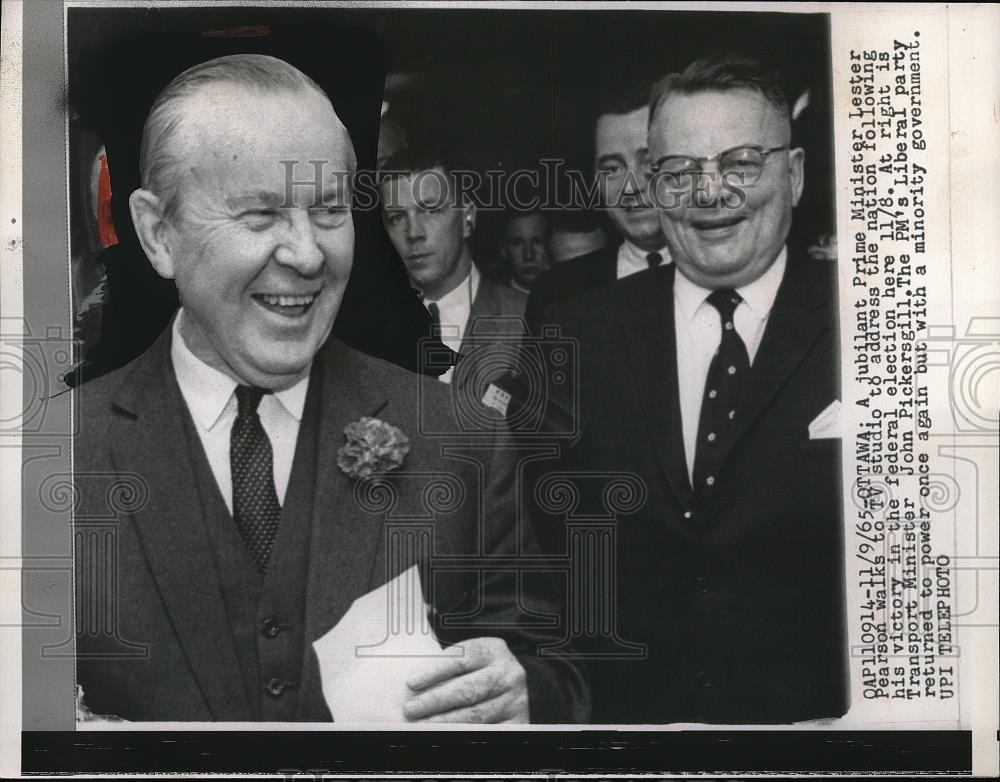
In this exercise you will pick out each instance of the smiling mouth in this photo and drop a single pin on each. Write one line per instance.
(716, 223)
(291, 306)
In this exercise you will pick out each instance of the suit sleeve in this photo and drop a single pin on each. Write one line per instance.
(557, 686)
(519, 604)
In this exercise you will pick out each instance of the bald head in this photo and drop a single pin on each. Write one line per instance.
(187, 107)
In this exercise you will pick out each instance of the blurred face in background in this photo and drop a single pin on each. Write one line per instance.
(621, 163)
(564, 245)
(524, 247)
(429, 229)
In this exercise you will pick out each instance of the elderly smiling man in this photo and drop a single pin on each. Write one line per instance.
(725, 405)
(250, 535)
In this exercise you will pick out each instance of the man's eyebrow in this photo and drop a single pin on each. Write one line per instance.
(433, 202)
(613, 157)
(336, 191)
(259, 198)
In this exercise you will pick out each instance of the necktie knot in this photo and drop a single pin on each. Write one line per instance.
(654, 260)
(725, 301)
(247, 399)
(435, 312)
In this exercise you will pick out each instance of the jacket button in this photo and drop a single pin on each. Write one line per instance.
(270, 628)
(703, 681)
(701, 584)
(275, 687)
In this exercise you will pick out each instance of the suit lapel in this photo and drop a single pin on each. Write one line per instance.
(799, 316)
(652, 351)
(343, 541)
(607, 269)
(486, 304)
(171, 527)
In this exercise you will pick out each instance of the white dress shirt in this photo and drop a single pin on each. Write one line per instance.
(699, 332)
(632, 259)
(453, 310)
(211, 399)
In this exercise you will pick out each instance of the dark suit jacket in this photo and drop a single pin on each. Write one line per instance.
(563, 279)
(738, 600)
(167, 594)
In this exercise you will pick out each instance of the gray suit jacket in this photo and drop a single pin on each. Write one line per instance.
(135, 482)
(496, 311)
(491, 343)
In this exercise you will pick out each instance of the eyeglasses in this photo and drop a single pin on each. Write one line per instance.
(743, 164)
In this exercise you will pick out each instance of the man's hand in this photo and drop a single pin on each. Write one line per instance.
(486, 684)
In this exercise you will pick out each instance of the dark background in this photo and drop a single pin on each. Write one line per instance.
(505, 88)
(559, 754)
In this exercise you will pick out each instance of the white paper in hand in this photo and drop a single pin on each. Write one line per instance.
(365, 659)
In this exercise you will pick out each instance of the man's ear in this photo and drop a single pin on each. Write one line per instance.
(468, 220)
(796, 172)
(152, 229)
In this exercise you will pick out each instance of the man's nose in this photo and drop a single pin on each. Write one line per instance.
(529, 253)
(415, 227)
(708, 188)
(300, 249)
(631, 185)
(636, 183)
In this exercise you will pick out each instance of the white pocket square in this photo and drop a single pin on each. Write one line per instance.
(827, 424)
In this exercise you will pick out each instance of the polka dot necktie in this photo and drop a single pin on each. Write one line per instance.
(727, 376)
(256, 509)
(654, 260)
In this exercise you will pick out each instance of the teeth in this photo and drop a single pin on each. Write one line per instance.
(287, 301)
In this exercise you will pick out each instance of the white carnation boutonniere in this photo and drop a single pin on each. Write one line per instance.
(373, 446)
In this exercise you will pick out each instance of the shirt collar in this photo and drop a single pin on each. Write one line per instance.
(759, 295)
(207, 391)
(634, 255)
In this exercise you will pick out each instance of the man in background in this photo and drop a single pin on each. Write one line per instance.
(524, 248)
(431, 224)
(622, 168)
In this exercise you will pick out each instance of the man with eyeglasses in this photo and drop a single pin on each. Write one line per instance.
(730, 574)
